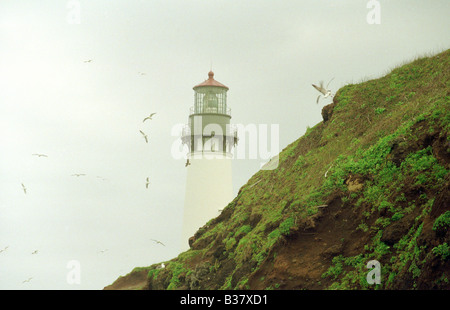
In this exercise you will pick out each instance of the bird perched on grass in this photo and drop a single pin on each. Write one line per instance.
(145, 136)
(323, 90)
(149, 117)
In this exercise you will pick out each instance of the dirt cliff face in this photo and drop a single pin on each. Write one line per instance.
(370, 182)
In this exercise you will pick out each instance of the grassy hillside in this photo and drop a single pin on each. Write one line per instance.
(369, 182)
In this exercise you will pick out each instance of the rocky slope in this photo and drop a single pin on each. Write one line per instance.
(370, 182)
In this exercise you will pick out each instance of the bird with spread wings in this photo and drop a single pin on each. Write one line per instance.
(323, 90)
(149, 117)
(145, 136)
(158, 242)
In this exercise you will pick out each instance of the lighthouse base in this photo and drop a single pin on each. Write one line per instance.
(209, 189)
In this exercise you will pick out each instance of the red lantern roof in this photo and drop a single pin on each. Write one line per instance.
(210, 82)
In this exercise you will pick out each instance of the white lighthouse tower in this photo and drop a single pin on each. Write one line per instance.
(210, 139)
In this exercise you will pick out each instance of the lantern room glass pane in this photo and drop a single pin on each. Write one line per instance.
(210, 100)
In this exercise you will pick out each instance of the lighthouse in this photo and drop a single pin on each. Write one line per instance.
(210, 139)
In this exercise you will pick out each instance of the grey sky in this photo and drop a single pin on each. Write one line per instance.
(86, 116)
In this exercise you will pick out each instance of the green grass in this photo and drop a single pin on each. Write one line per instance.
(442, 222)
(368, 120)
(442, 250)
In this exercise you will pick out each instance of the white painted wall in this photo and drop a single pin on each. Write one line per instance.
(209, 188)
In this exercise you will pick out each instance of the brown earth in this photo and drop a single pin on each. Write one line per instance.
(306, 254)
(133, 281)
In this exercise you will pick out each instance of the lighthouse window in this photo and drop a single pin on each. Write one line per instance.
(198, 103)
(210, 103)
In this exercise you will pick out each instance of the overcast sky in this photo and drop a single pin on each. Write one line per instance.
(86, 116)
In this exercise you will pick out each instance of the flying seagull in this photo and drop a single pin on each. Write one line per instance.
(325, 92)
(78, 174)
(24, 188)
(86, 61)
(149, 117)
(158, 242)
(147, 183)
(34, 252)
(145, 136)
(141, 73)
(28, 280)
(39, 155)
(103, 251)
(187, 163)
(6, 247)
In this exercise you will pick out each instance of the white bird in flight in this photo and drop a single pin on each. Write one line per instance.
(39, 155)
(28, 280)
(147, 182)
(24, 188)
(6, 247)
(145, 136)
(86, 61)
(325, 92)
(34, 252)
(149, 117)
(78, 174)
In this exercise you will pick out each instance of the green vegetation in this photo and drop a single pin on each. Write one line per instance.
(442, 222)
(285, 227)
(442, 250)
(177, 269)
(386, 138)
